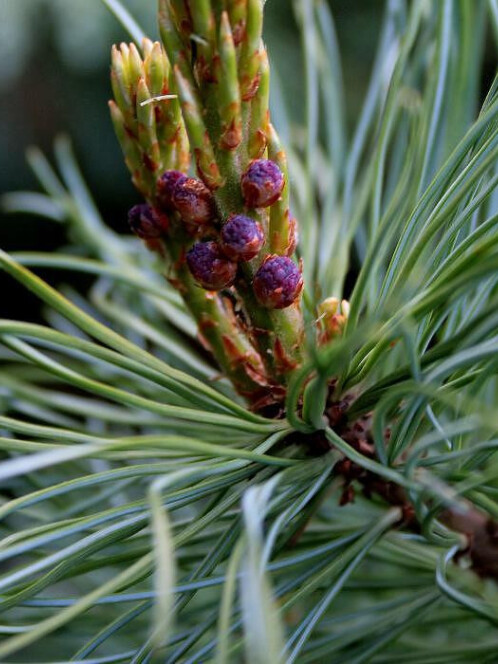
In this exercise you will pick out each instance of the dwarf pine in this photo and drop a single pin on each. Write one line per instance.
(267, 431)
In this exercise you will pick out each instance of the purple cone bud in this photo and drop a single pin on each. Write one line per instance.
(241, 238)
(278, 282)
(165, 187)
(146, 222)
(262, 183)
(193, 200)
(209, 267)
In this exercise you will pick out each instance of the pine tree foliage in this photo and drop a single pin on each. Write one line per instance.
(148, 515)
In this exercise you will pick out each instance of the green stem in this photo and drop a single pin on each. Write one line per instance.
(220, 329)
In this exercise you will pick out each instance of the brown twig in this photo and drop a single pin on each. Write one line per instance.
(480, 531)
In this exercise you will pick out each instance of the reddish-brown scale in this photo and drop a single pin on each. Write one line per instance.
(231, 351)
(331, 328)
(286, 246)
(232, 136)
(258, 144)
(293, 236)
(270, 402)
(251, 362)
(239, 32)
(283, 362)
(206, 71)
(174, 137)
(149, 163)
(211, 177)
(250, 87)
(257, 375)
(205, 324)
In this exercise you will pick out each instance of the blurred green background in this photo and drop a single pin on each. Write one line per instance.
(54, 77)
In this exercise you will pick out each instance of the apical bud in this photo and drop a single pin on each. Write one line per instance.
(146, 222)
(209, 267)
(165, 187)
(278, 282)
(241, 238)
(193, 200)
(262, 183)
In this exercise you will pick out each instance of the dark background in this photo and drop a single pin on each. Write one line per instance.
(54, 77)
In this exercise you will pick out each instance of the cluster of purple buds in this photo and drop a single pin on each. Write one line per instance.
(213, 264)
(278, 282)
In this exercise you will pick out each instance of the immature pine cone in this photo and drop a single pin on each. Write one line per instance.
(262, 183)
(241, 238)
(194, 202)
(165, 187)
(146, 222)
(278, 282)
(209, 267)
